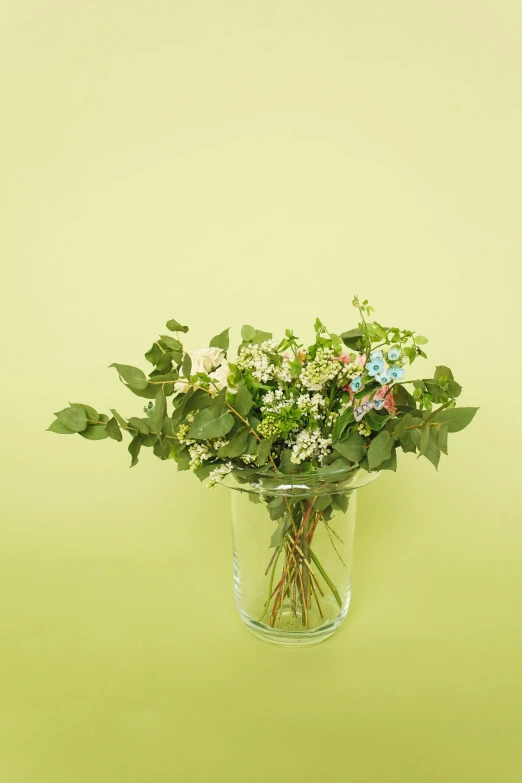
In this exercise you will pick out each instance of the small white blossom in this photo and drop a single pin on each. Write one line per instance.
(217, 443)
(320, 371)
(308, 444)
(218, 473)
(199, 452)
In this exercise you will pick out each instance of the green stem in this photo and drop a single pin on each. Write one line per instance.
(326, 578)
(267, 603)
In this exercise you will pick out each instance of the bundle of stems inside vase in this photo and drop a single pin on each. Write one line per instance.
(299, 584)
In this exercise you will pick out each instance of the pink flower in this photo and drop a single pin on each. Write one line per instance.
(389, 401)
(360, 359)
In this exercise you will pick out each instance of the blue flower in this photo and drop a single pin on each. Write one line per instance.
(397, 373)
(356, 384)
(376, 355)
(375, 366)
(383, 377)
(393, 354)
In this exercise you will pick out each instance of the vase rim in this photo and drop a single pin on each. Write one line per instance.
(260, 482)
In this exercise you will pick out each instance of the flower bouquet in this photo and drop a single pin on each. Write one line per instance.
(294, 430)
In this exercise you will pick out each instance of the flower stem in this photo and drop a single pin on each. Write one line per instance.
(326, 578)
(267, 602)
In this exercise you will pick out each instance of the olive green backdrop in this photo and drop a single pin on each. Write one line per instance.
(255, 162)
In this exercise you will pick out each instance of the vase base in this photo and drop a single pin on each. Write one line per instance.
(289, 632)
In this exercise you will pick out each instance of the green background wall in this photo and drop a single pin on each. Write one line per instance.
(225, 163)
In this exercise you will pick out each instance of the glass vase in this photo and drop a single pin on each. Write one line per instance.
(293, 552)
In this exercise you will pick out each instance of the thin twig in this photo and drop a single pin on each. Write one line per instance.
(332, 542)
(317, 600)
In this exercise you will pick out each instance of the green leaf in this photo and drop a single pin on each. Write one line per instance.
(181, 404)
(218, 402)
(322, 502)
(286, 465)
(404, 434)
(380, 449)
(454, 388)
(375, 420)
(416, 437)
(209, 425)
(164, 363)
(410, 352)
(421, 340)
(183, 460)
(337, 344)
(280, 532)
(132, 376)
(95, 432)
(205, 470)
(424, 439)
(247, 333)
(150, 392)
(186, 366)
(139, 424)
(391, 463)
(455, 418)
(113, 430)
(243, 400)
(74, 418)
(434, 389)
(442, 438)
(254, 423)
(60, 428)
(121, 421)
(160, 408)
(263, 451)
(353, 448)
(134, 448)
(221, 340)
(175, 326)
(334, 465)
(276, 507)
(171, 342)
(198, 400)
(162, 448)
(341, 502)
(351, 338)
(296, 365)
(237, 444)
(432, 451)
(441, 371)
(154, 353)
(342, 422)
(261, 337)
(92, 413)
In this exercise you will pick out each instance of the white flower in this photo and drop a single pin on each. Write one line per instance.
(198, 453)
(220, 376)
(218, 473)
(203, 360)
(308, 443)
(182, 386)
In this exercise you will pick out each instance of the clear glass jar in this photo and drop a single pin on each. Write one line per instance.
(293, 551)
